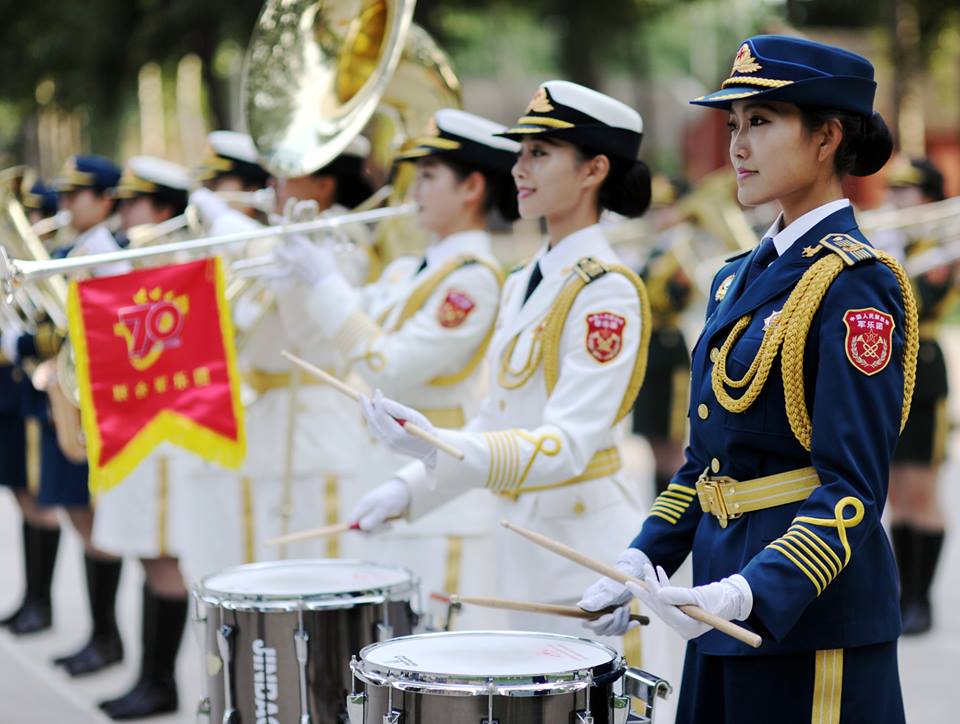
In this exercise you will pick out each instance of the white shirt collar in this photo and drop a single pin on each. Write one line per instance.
(589, 241)
(783, 238)
(462, 242)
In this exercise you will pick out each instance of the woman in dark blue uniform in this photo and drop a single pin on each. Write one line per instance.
(86, 191)
(20, 464)
(801, 383)
(916, 517)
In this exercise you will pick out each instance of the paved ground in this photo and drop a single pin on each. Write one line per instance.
(34, 692)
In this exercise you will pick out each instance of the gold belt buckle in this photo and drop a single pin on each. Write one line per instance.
(710, 492)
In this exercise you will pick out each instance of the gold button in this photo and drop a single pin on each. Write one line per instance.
(715, 465)
(703, 412)
(714, 353)
(579, 508)
(503, 405)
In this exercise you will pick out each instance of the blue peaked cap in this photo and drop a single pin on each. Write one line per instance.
(783, 68)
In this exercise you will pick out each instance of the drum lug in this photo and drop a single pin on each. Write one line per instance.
(203, 711)
(620, 705)
(584, 717)
(394, 717)
(355, 707)
(646, 687)
(301, 643)
(224, 644)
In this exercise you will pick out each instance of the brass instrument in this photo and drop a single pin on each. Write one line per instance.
(18, 237)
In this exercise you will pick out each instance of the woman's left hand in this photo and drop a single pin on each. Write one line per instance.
(386, 419)
(729, 598)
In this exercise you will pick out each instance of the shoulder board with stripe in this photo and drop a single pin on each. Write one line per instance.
(848, 249)
(589, 269)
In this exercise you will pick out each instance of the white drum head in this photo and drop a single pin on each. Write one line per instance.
(302, 579)
(484, 654)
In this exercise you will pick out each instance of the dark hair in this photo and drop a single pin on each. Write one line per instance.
(353, 184)
(866, 145)
(627, 188)
(931, 183)
(501, 193)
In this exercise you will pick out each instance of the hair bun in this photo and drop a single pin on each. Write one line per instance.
(628, 192)
(874, 148)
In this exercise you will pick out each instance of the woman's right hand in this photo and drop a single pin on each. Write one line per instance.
(607, 592)
(387, 501)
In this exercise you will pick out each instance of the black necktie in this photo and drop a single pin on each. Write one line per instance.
(423, 265)
(535, 278)
(765, 255)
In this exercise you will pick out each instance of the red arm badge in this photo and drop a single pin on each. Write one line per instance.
(605, 335)
(869, 341)
(455, 309)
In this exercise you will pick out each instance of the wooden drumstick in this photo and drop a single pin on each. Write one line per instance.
(547, 608)
(347, 390)
(323, 532)
(694, 612)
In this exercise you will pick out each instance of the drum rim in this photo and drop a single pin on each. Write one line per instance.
(442, 683)
(402, 591)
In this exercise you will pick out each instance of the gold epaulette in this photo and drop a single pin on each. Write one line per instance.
(588, 270)
(849, 249)
(422, 293)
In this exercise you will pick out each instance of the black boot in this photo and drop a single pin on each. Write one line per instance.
(156, 690)
(901, 535)
(104, 647)
(27, 531)
(40, 555)
(918, 617)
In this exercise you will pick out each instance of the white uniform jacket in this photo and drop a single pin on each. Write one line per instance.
(528, 446)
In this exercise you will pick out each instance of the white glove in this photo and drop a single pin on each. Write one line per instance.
(384, 418)
(607, 592)
(301, 259)
(729, 598)
(386, 501)
(209, 204)
(8, 342)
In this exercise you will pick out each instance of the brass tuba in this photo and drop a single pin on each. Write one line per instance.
(317, 72)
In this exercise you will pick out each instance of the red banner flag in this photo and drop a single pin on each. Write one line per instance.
(156, 361)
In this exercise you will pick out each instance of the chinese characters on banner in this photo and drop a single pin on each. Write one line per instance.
(156, 362)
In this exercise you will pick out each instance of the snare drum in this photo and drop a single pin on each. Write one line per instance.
(278, 636)
(497, 677)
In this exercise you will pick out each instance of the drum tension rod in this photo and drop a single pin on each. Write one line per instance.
(301, 642)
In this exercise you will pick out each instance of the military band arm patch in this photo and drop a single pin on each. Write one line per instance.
(455, 309)
(869, 339)
(605, 335)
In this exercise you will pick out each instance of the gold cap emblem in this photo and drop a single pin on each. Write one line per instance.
(432, 129)
(744, 62)
(540, 103)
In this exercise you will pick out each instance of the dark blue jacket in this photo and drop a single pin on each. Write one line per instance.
(800, 602)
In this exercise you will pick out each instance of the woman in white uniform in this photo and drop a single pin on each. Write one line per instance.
(302, 451)
(567, 358)
(132, 519)
(419, 333)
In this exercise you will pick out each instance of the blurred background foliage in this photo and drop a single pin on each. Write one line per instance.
(76, 73)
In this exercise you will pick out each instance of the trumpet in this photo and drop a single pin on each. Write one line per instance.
(263, 200)
(17, 272)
